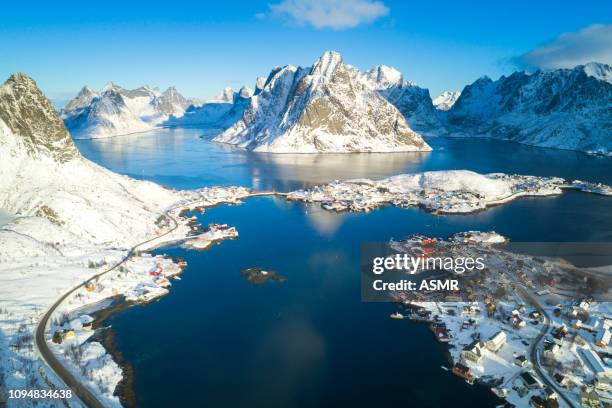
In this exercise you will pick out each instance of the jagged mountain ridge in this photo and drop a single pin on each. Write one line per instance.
(446, 100)
(411, 100)
(564, 108)
(115, 111)
(26, 112)
(323, 108)
(218, 113)
(44, 178)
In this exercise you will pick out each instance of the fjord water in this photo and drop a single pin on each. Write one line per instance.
(217, 340)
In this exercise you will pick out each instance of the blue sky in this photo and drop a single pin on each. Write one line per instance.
(202, 47)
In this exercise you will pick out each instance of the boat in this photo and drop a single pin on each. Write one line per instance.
(396, 315)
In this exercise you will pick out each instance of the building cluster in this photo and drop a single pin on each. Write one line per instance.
(437, 192)
(578, 351)
(519, 323)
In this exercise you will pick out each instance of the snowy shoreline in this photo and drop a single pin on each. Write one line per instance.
(440, 192)
(460, 191)
(511, 322)
(132, 284)
(74, 234)
(113, 135)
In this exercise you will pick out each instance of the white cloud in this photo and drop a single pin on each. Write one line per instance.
(591, 44)
(335, 14)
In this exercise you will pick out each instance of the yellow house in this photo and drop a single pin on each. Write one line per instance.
(62, 335)
(68, 334)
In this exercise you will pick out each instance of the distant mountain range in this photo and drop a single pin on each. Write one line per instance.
(220, 112)
(116, 111)
(334, 107)
(565, 109)
(63, 195)
(412, 101)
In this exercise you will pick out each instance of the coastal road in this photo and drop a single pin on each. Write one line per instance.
(81, 391)
(533, 351)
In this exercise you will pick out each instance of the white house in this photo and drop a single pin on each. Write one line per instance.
(551, 351)
(496, 342)
(474, 352)
(603, 374)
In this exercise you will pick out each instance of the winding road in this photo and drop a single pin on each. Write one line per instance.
(84, 394)
(533, 351)
(81, 391)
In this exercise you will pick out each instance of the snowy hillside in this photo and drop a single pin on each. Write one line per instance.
(564, 108)
(64, 219)
(446, 100)
(411, 100)
(323, 108)
(44, 176)
(218, 113)
(116, 111)
(64, 212)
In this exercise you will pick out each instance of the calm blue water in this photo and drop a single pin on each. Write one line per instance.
(179, 158)
(217, 340)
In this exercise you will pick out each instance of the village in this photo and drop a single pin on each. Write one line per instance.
(143, 278)
(515, 328)
(441, 192)
(140, 278)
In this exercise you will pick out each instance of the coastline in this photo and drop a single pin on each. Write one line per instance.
(122, 389)
(105, 336)
(52, 360)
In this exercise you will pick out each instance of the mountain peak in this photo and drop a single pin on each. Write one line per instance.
(227, 95)
(327, 63)
(245, 92)
(83, 99)
(598, 70)
(33, 121)
(325, 108)
(21, 79)
(446, 100)
(259, 84)
(383, 76)
(170, 91)
(110, 86)
(86, 90)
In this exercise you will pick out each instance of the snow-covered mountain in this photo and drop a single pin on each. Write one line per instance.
(564, 108)
(44, 178)
(218, 113)
(26, 112)
(82, 100)
(259, 85)
(324, 108)
(446, 100)
(116, 111)
(411, 100)
(63, 220)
